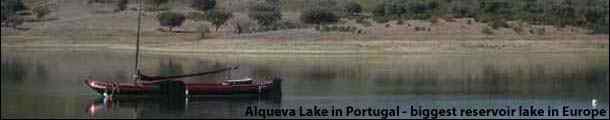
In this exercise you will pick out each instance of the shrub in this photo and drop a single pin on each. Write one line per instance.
(41, 11)
(267, 12)
(156, 4)
(400, 22)
(381, 19)
(363, 22)
(352, 8)
(538, 31)
(122, 5)
(502, 9)
(13, 21)
(464, 8)
(171, 19)
(518, 28)
(243, 24)
(203, 5)
(9, 11)
(495, 24)
(418, 28)
(411, 9)
(601, 26)
(319, 16)
(379, 10)
(563, 13)
(196, 16)
(4, 15)
(218, 17)
(12, 6)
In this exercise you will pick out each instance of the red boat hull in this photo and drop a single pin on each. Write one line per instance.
(257, 87)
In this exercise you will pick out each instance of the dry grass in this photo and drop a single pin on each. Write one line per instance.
(78, 26)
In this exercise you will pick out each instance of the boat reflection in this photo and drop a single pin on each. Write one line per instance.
(189, 107)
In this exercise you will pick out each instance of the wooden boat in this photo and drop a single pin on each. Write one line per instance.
(168, 85)
(227, 87)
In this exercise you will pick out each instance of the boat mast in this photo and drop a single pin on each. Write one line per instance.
(136, 67)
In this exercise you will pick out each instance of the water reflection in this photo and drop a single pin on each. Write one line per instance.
(13, 70)
(162, 107)
(17, 71)
(169, 68)
(54, 79)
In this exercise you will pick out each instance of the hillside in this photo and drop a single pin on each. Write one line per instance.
(79, 24)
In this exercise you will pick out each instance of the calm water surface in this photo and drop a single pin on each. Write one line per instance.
(50, 84)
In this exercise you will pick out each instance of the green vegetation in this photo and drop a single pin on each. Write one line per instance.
(171, 19)
(363, 22)
(319, 16)
(352, 8)
(203, 5)
(41, 11)
(156, 5)
(11, 7)
(266, 12)
(601, 26)
(243, 24)
(588, 13)
(197, 16)
(122, 5)
(10, 10)
(497, 23)
(405, 9)
(218, 17)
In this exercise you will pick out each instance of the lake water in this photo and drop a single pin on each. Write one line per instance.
(50, 84)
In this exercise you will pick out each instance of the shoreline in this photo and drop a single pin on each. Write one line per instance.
(601, 48)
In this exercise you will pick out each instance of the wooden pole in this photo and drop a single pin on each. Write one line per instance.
(136, 67)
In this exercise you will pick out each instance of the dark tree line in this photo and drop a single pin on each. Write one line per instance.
(583, 13)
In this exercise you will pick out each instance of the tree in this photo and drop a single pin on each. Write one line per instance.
(122, 5)
(497, 9)
(597, 13)
(379, 10)
(13, 21)
(464, 8)
(352, 8)
(41, 11)
(13, 5)
(218, 17)
(9, 9)
(203, 5)
(156, 4)
(412, 9)
(601, 26)
(266, 12)
(5, 12)
(318, 16)
(171, 19)
(563, 13)
(243, 24)
(531, 11)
